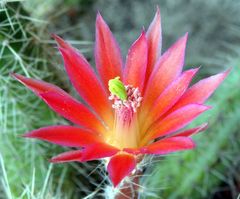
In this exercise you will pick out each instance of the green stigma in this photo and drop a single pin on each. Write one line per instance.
(116, 87)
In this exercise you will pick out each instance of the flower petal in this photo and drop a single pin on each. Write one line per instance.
(169, 145)
(169, 97)
(98, 151)
(61, 42)
(107, 53)
(64, 135)
(201, 91)
(62, 103)
(72, 110)
(174, 121)
(120, 166)
(88, 85)
(154, 37)
(166, 70)
(91, 152)
(37, 86)
(136, 63)
(69, 156)
(190, 132)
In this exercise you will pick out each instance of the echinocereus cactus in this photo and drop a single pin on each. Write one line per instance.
(132, 109)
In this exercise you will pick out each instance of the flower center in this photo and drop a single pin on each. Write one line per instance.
(125, 133)
(132, 101)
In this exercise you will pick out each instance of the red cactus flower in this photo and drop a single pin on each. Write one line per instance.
(139, 108)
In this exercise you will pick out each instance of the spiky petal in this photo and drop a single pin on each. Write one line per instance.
(76, 65)
(107, 53)
(154, 38)
(173, 58)
(64, 135)
(169, 145)
(136, 63)
(62, 103)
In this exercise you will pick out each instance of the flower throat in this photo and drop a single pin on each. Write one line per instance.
(126, 99)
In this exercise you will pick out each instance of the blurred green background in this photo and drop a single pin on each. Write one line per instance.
(212, 171)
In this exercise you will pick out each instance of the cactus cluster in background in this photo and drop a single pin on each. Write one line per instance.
(211, 171)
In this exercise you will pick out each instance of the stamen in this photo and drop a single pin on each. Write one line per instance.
(133, 99)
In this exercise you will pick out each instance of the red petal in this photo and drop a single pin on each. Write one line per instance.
(169, 96)
(201, 91)
(73, 110)
(69, 156)
(87, 85)
(64, 135)
(154, 37)
(190, 132)
(166, 70)
(120, 166)
(169, 145)
(37, 86)
(175, 121)
(136, 62)
(61, 42)
(62, 103)
(91, 152)
(107, 53)
(98, 151)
